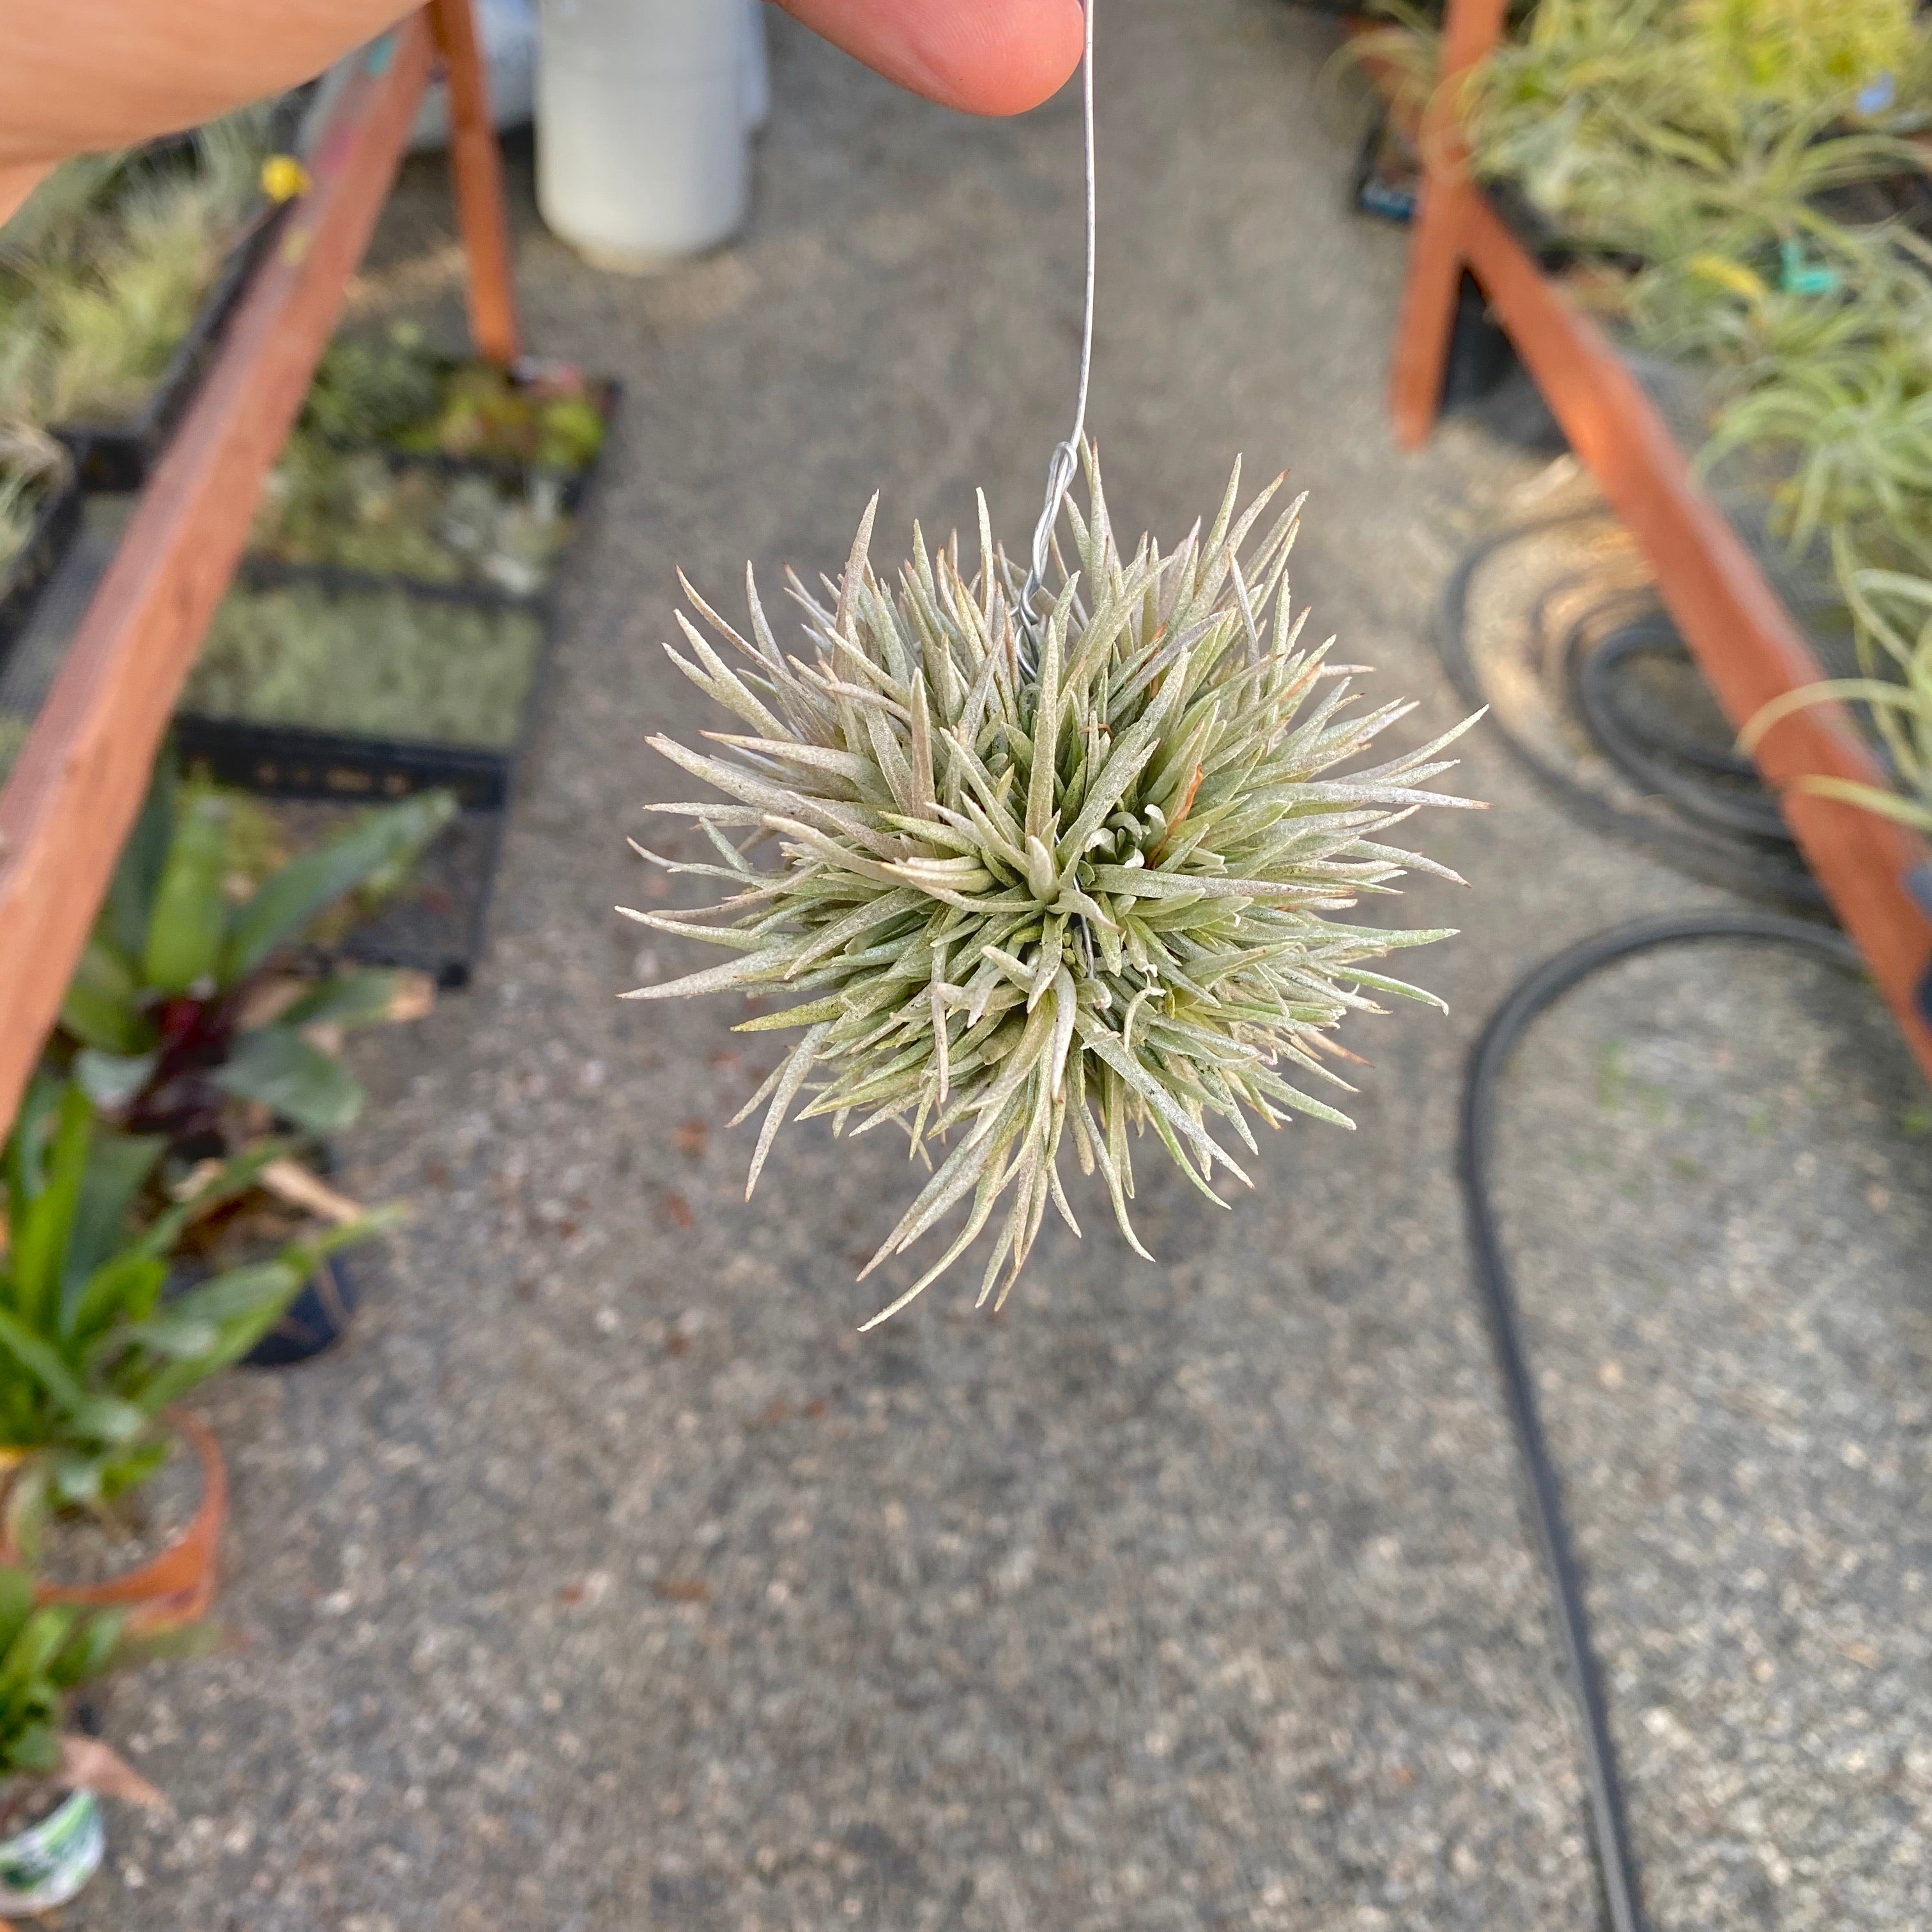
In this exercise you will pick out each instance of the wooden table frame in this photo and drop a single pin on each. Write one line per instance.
(1745, 642)
(79, 779)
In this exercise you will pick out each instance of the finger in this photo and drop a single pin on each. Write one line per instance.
(986, 56)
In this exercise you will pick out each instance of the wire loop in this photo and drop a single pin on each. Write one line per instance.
(1065, 464)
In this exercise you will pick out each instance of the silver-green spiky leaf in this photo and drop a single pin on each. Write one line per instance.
(1038, 878)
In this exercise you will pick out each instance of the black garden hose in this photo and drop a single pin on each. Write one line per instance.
(1652, 751)
(1532, 996)
(1719, 833)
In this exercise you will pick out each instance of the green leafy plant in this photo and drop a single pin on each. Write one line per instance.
(1892, 611)
(186, 1000)
(48, 1652)
(381, 663)
(548, 421)
(1073, 875)
(90, 1354)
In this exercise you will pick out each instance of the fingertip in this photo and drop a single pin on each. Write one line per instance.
(998, 56)
(981, 56)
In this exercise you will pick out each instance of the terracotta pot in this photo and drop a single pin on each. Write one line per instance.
(176, 1586)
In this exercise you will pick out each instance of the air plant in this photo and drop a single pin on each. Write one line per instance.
(1859, 426)
(1803, 51)
(1891, 613)
(1867, 292)
(32, 463)
(101, 272)
(1659, 128)
(1051, 871)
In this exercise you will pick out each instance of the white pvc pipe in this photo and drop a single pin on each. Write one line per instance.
(642, 148)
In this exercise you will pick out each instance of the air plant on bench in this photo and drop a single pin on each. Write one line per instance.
(32, 463)
(101, 272)
(1048, 877)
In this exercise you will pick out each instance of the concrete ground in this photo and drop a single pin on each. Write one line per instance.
(608, 1580)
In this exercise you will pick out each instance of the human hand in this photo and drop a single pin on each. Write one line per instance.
(986, 56)
(81, 75)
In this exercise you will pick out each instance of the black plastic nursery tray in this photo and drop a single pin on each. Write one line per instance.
(282, 746)
(436, 921)
(56, 517)
(309, 766)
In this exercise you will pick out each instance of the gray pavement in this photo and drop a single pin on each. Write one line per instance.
(608, 1580)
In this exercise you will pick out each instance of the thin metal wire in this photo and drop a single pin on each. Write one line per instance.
(1066, 461)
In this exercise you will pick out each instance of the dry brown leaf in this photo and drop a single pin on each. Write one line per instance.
(289, 1180)
(88, 1764)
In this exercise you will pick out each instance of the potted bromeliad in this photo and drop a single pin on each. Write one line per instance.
(201, 1020)
(52, 1775)
(115, 1495)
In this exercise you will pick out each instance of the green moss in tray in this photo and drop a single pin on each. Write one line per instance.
(380, 664)
(548, 421)
(395, 389)
(352, 509)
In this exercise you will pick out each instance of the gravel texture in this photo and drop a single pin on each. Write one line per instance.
(607, 1580)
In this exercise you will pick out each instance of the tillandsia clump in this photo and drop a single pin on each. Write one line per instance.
(1051, 875)
(102, 270)
(31, 463)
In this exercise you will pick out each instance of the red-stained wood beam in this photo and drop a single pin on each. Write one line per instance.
(78, 781)
(478, 170)
(1437, 245)
(1746, 643)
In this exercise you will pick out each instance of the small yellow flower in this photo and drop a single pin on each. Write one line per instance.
(283, 178)
(1728, 275)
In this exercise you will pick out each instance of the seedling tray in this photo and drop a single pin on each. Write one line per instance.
(295, 759)
(603, 393)
(56, 517)
(437, 923)
(261, 569)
